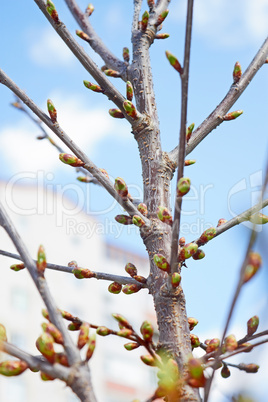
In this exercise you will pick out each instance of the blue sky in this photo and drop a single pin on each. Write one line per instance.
(227, 175)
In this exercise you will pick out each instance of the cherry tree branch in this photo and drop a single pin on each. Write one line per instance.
(89, 165)
(216, 117)
(124, 280)
(182, 139)
(94, 40)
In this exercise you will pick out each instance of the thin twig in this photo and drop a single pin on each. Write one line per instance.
(136, 14)
(215, 118)
(89, 165)
(124, 280)
(182, 140)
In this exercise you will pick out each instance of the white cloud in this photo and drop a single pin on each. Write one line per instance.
(228, 23)
(87, 126)
(49, 50)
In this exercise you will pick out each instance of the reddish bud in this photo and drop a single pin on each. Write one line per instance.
(182, 241)
(131, 269)
(221, 222)
(144, 20)
(187, 251)
(93, 87)
(162, 36)
(124, 219)
(50, 329)
(45, 313)
(225, 372)
(83, 336)
(115, 288)
(52, 111)
(71, 160)
(130, 289)
(196, 376)
(45, 345)
(112, 73)
(183, 186)
(192, 323)
(138, 221)
(150, 3)
(161, 262)
(232, 115)
(147, 331)
(195, 342)
(258, 219)
(131, 346)
(212, 345)
(164, 215)
(174, 62)
(84, 179)
(254, 263)
(62, 359)
(206, 236)
(249, 368)
(46, 377)
(17, 267)
(189, 132)
(126, 54)
(237, 72)
(103, 331)
(230, 344)
(89, 10)
(129, 91)
(161, 17)
(140, 278)
(149, 360)
(82, 273)
(51, 9)
(189, 162)
(116, 113)
(121, 187)
(142, 208)
(91, 346)
(199, 254)
(125, 332)
(122, 320)
(130, 109)
(41, 262)
(247, 345)
(175, 279)
(65, 314)
(11, 368)
(83, 36)
(252, 325)
(74, 326)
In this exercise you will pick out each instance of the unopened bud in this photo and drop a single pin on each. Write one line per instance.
(124, 219)
(11, 368)
(199, 254)
(247, 345)
(258, 219)
(91, 346)
(164, 215)
(84, 179)
(122, 321)
(125, 332)
(82, 273)
(174, 62)
(225, 372)
(17, 267)
(112, 73)
(62, 359)
(83, 336)
(126, 54)
(189, 132)
(182, 241)
(130, 289)
(50, 328)
(249, 368)
(115, 288)
(189, 162)
(196, 376)
(237, 72)
(131, 269)
(3, 334)
(71, 160)
(162, 17)
(221, 222)
(206, 236)
(142, 208)
(41, 262)
(149, 360)
(46, 377)
(230, 344)
(213, 345)
(162, 36)
(131, 345)
(252, 325)
(116, 113)
(89, 10)
(161, 262)
(103, 331)
(93, 87)
(74, 326)
(254, 263)
(121, 187)
(52, 111)
(65, 314)
(83, 36)
(130, 109)
(175, 279)
(51, 9)
(147, 331)
(129, 91)
(138, 221)
(232, 115)
(188, 251)
(45, 345)
(192, 323)
(144, 20)
(195, 342)
(183, 186)
(139, 278)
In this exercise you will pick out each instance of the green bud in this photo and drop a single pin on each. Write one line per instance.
(122, 320)
(83, 36)
(121, 187)
(17, 267)
(142, 208)
(93, 87)
(41, 262)
(196, 376)
(183, 186)
(254, 263)
(84, 179)
(71, 160)
(65, 314)
(162, 17)
(232, 115)
(188, 251)
(50, 329)
(175, 279)
(124, 219)
(11, 368)
(225, 372)
(189, 162)
(192, 323)
(131, 346)
(52, 111)
(83, 336)
(126, 54)
(74, 326)
(125, 332)
(161, 262)
(138, 221)
(144, 20)
(252, 325)
(116, 113)
(112, 73)
(91, 346)
(237, 72)
(189, 132)
(115, 288)
(130, 109)
(82, 273)
(130, 289)
(51, 9)
(147, 331)
(45, 345)
(89, 10)
(164, 215)
(103, 331)
(45, 313)
(259, 219)
(149, 360)
(131, 269)
(199, 254)
(195, 342)
(46, 377)
(162, 36)
(174, 62)
(206, 236)
(129, 91)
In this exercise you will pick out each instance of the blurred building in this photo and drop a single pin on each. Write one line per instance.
(45, 217)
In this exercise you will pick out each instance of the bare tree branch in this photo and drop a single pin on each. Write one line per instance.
(216, 117)
(95, 41)
(89, 165)
(124, 280)
(182, 139)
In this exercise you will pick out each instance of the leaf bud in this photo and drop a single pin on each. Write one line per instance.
(83, 336)
(252, 325)
(189, 162)
(144, 20)
(115, 288)
(131, 345)
(121, 187)
(131, 269)
(46, 377)
(230, 344)
(164, 215)
(161, 262)
(196, 376)
(126, 54)
(125, 332)
(195, 342)
(232, 115)
(161, 36)
(254, 263)
(112, 73)
(150, 3)
(187, 251)
(129, 91)
(140, 278)
(237, 72)
(192, 323)
(17, 267)
(50, 329)
(91, 346)
(130, 109)
(93, 87)
(147, 331)
(161, 17)
(45, 345)
(175, 279)
(258, 219)
(142, 208)
(174, 61)
(89, 10)
(206, 236)
(52, 111)
(82, 273)
(84, 179)
(122, 320)
(124, 219)
(249, 368)
(65, 314)
(74, 326)
(149, 360)
(116, 113)
(182, 241)
(199, 254)
(189, 132)
(213, 345)
(130, 289)
(62, 359)
(103, 331)
(51, 9)
(41, 262)
(3, 334)
(71, 160)
(11, 368)
(138, 221)
(183, 186)
(83, 36)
